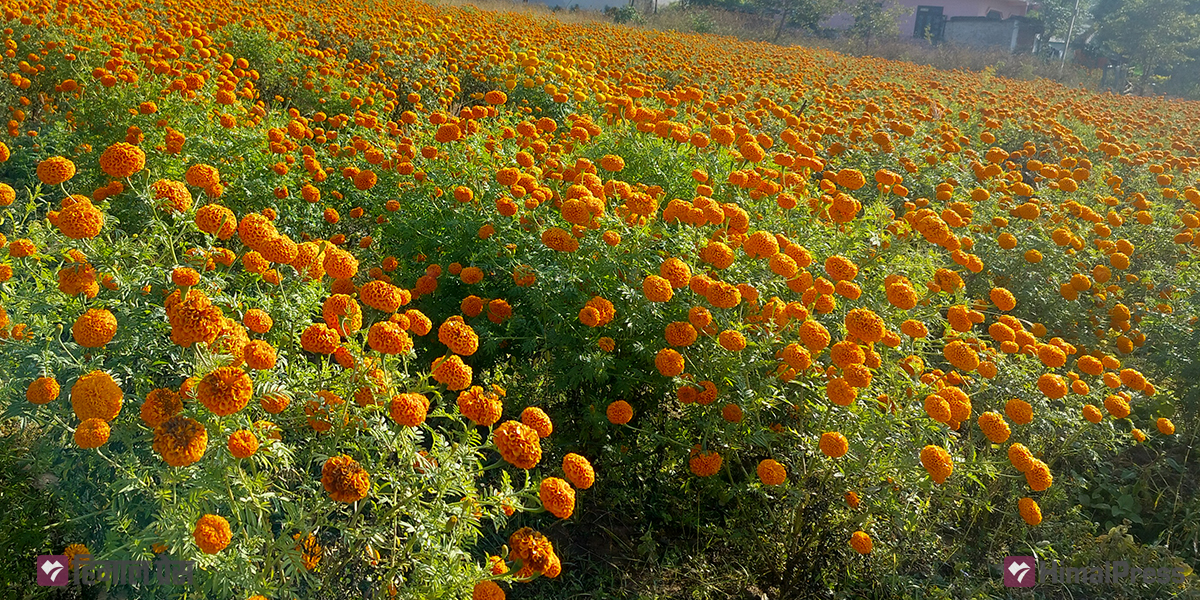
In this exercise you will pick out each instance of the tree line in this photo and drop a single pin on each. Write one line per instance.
(1156, 41)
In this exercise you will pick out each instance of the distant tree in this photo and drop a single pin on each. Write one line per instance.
(1055, 15)
(1153, 34)
(876, 19)
(804, 14)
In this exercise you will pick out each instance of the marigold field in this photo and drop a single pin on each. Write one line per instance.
(393, 300)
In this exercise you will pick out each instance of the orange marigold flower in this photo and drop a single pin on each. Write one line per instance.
(538, 420)
(760, 244)
(310, 551)
(471, 275)
(388, 338)
(731, 340)
(42, 390)
(1038, 476)
(1053, 386)
(258, 321)
(274, 403)
(259, 355)
(1020, 457)
(121, 160)
(937, 462)
(340, 264)
(612, 163)
(578, 471)
(202, 176)
(723, 295)
(669, 362)
(605, 312)
(1003, 299)
(619, 412)
(225, 390)
(94, 328)
(20, 248)
(861, 542)
(452, 372)
(1133, 379)
(840, 392)
(81, 220)
(704, 464)
(215, 219)
(96, 396)
(1030, 511)
(852, 499)
(77, 279)
(344, 479)
(342, 314)
(557, 497)
(961, 355)
(488, 589)
(864, 325)
(91, 433)
(459, 337)
(1116, 406)
(185, 277)
(770, 472)
(1020, 411)
(902, 295)
(409, 410)
(851, 179)
(840, 268)
(518, 444)
(680, 333)
(180, 441)
(481, 408)
(319, 338)
(1165, 426)
(381, 296)
(242, 443)
(55, 170)
(938, 408)
(718, 255)
(212, 534)
(677, 272)
(1090, 365)
(160, 404)
(834, 444)
(657, 289)
(994, 427)
(559, 239)
(1051, 356)
(534, 551)
(846, 353)
(174, 197)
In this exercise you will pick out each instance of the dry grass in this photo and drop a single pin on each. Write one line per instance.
(753, 27)
(532, 9)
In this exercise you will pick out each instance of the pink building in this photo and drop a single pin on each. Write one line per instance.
(931, 15)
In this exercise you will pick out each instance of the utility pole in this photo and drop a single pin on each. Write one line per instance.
(1067, 45)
